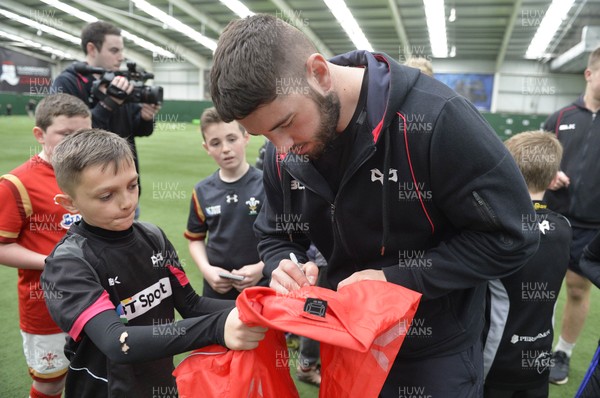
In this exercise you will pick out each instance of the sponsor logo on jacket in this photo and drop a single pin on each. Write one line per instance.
(296, 185)
(563, 127)
(529, 339)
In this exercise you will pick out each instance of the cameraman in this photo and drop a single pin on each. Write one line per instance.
(103, 47)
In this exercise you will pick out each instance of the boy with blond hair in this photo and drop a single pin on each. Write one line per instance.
(518, 345)
(113, 284)
(31, 224)
(225, 205)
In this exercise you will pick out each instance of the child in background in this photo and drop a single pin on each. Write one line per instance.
(225, 205)
(31, 224)
(518, 345)
(113, 284)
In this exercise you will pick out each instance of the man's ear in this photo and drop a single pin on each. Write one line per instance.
(318, 74)
(205, 146)
(38, 133)
(587, 73)
(67, 202)
(91, 49)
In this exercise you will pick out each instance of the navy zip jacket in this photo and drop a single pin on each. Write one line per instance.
(578, 130)
(430, 195)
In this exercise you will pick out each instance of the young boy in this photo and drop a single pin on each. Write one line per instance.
(113, 284)
(225, 205)
(518, 346)
(31, 224)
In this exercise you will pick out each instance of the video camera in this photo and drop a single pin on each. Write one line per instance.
(141, 92)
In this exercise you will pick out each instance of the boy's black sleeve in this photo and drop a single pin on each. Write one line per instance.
(187, 302)
(196, 225)
(129, 344)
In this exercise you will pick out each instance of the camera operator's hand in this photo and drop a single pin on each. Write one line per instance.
(121, 83)
(148, 111)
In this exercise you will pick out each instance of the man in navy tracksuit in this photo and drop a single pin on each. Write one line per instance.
(392, 175)
(575, 193)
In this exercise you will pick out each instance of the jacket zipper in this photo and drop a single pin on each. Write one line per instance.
(484, 209)
(336, 224)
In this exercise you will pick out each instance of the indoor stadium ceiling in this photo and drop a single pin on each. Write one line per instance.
(491, 30)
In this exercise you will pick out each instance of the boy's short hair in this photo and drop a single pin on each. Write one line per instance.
(210, 116)
(420, 63)
(538, 155)
(594, 59)
(95, 32)
(59, 104)
(86, 148)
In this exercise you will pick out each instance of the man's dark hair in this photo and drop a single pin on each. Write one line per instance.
(95, 32)
(253, 57)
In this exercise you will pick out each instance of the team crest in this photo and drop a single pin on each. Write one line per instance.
(69, 219)
(252, 205)
(49, 360)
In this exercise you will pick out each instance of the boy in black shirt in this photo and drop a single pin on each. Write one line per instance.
(518, 345)
(224, 205)
(113, 283)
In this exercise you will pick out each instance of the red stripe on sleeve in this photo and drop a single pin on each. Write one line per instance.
(180, 275)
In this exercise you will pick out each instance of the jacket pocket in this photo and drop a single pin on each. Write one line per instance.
(484, 210)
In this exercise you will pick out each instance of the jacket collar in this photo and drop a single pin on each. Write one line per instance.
(389, 83)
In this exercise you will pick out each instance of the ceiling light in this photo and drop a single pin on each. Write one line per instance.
(547, 29)
(147, 45)
(452, 16)
(345, 18)
(33, 44)
(71, 10)
(175, 24)
(40, 27)
(129, 36)
(237, 7)
(436, 26)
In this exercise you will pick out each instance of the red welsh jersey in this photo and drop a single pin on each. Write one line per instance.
(30, 217)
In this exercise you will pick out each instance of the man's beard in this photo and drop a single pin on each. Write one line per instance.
(329, 110)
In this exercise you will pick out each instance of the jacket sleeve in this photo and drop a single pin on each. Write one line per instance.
(141, 127)
(67, 83)
(478, 188)
(275, 244)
